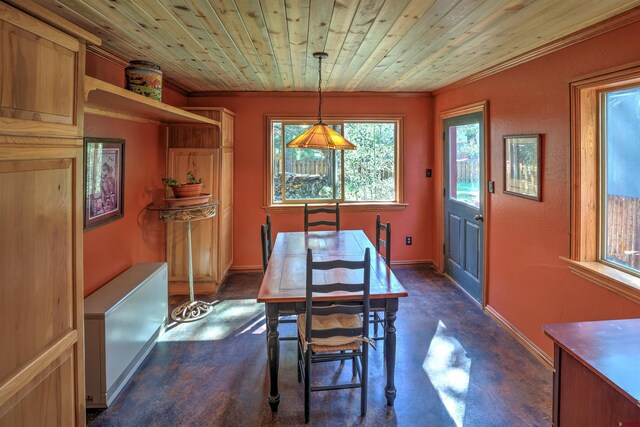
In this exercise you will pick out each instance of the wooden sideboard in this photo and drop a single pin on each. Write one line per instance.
(208, 152)
(596, 373)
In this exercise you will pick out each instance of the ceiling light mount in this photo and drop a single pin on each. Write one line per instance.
(320, 136)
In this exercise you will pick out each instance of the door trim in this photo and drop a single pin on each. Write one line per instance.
(438, 259)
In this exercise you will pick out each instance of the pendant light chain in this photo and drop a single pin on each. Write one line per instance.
(320, 89)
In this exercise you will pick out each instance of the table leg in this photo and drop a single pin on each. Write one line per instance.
(273, 353)
(391, 308)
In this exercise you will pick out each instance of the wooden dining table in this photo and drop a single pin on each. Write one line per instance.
(284, 282)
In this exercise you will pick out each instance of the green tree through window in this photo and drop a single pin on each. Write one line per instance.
(306, 175)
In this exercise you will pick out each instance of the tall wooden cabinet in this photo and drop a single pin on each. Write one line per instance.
(41, 158)
(208, 153)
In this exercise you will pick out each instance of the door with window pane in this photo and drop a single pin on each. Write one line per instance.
(464, 201)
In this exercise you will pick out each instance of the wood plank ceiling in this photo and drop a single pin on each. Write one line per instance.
(373, 45)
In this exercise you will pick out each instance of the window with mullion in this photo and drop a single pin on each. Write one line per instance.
(367, 174)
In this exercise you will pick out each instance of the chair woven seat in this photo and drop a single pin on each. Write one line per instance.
(335, 343)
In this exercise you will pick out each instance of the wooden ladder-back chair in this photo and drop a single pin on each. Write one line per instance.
(383, 241)
(308, 212)
(335, 332)
(267, 246)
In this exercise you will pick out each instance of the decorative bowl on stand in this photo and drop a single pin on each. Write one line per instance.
(187, 190)
(189, 201)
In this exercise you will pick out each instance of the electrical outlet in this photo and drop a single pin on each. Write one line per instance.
(428, 173)
(409, 240)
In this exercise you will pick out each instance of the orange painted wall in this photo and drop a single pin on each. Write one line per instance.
(249, 151)
(139, 236)
(528, 284)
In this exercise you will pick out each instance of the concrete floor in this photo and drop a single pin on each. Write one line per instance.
(455, 367)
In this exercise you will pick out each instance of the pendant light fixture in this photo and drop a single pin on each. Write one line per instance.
(320, 136)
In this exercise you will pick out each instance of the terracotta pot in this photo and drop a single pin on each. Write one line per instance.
(187, 190)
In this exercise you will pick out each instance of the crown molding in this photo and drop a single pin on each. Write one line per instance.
(305, 94)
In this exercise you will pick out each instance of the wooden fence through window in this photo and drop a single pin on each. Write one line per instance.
(623, 230)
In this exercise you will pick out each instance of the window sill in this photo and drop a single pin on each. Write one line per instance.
(617, 281)
(344, 207)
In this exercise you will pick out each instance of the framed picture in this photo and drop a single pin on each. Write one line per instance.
(104, 181)
(522, 165)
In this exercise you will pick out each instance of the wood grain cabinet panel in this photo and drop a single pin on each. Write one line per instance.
(201, 162)
(208, 151)
(38, 79)
(41, 288)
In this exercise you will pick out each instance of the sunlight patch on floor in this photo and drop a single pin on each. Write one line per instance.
(448, 368)
(226, 318)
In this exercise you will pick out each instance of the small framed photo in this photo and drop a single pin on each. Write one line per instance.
(523, 165)
(103, 181)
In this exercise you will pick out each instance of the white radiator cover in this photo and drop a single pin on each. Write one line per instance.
(122, 322)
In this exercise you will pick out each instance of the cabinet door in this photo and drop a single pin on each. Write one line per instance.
(201, 161)
(42, 376)
(38, 80)
(226, 210)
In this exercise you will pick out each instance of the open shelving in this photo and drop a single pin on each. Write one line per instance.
(105, 99)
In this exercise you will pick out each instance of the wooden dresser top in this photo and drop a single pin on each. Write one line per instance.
(609, 348)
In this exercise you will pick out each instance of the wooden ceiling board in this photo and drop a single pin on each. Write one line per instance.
(373, 45)
(360, 28)
(412, 15)
(186, 17)
(320, 12)
(206, 15)
(431, 58)
(297, 16)
(140, 40)
(364, 45)
(136, 44)
(175, 36)
(251, 13)
(503, 39)
(275, 20)
(413, 40)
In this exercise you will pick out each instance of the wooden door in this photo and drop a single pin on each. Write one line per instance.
(225, 209)
(41, 327)
(464, 201)
(203, 163)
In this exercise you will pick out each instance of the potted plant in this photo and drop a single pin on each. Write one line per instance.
(191, 188)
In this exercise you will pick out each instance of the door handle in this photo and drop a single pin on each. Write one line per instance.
(478, 218)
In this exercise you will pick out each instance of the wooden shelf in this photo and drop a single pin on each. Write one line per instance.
(105, 99)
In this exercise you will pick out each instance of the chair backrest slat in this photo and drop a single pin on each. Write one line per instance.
(384, 242)
(360, 293)
(338, 287)
(337, 332)
(336, 263)
(336, 309)
(308, 211)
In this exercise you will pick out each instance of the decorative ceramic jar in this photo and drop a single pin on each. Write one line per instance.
(145, 78)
